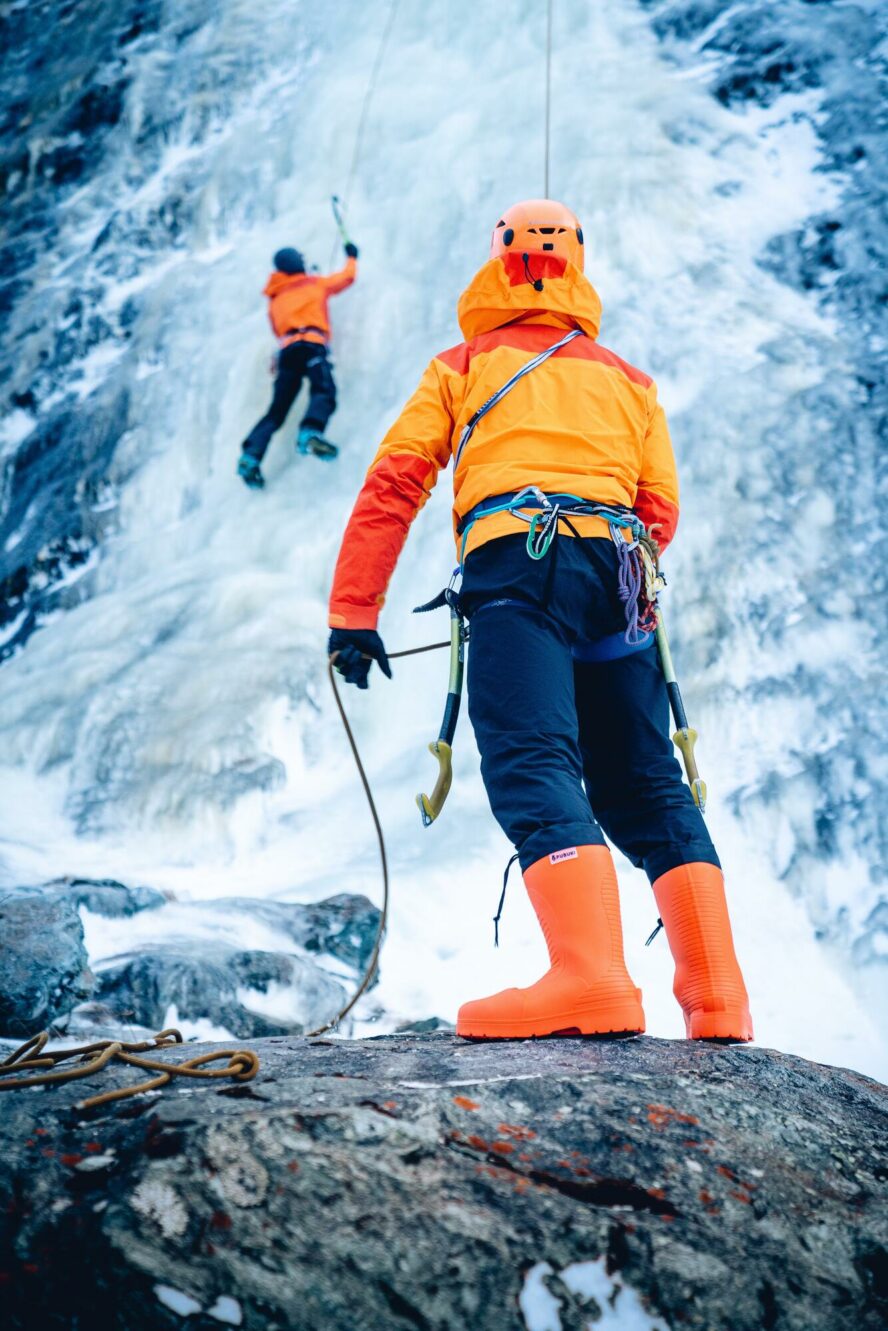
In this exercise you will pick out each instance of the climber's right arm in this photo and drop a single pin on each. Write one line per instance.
(397, 485)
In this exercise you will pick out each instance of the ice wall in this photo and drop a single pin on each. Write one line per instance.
(164, 714)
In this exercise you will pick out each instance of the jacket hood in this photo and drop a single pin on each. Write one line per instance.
(279, 282)
(502, 292)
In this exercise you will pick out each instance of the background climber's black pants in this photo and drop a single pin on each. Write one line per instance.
(569, 748)
(297, 361)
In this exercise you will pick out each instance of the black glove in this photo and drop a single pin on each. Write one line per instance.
(355, 651)
(351, 249)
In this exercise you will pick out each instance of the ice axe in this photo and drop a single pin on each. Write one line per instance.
(338, 213)
(685, 736)
(430, 806)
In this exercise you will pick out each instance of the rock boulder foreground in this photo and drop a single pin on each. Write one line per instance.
(419, 1181)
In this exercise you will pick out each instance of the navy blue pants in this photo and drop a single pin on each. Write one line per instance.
(568, 747)
(298, 361)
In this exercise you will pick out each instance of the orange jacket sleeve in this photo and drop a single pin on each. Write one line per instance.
(334, 282)
(656, 501)
(397, 485)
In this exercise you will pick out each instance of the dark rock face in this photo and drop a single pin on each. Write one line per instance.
(203, 979)
(44, 970)
(424, 1182)
(62, 98)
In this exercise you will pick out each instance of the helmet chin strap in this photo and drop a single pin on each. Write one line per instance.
(536, 282)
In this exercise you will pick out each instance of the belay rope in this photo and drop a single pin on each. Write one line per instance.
(362, 121)
(370, 968)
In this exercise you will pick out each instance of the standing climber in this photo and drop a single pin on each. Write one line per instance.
(568, 703)
(297, 308)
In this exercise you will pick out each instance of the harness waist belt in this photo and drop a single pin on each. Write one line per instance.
(581, 507)
(307, 328)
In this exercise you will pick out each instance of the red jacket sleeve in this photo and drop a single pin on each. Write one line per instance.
(656, 501)
(397, 485)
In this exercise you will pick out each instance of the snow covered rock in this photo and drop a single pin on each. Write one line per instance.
(426, 1182)
(106, 896)
(342, 926)
(215, 981)
(44, 969)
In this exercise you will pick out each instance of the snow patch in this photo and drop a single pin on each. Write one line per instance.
(613, 1305)
(226, 1309)
(177, 1301)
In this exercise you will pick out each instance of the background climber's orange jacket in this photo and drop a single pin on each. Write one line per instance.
(299, 301)
(585, 422)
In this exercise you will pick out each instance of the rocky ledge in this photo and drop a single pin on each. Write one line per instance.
(420, 1181)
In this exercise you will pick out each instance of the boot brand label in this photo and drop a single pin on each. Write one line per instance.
(560, 855)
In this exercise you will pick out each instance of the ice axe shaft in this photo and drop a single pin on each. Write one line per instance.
(430, 806)
(336, 205)
(685, 736)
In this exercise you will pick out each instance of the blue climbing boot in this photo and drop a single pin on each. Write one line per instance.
(250, 472)
(309, 441)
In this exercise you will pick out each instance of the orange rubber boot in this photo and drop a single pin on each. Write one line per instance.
(708, 983)
(587, 990)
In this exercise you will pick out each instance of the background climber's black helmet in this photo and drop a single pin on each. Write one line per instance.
(289, 260)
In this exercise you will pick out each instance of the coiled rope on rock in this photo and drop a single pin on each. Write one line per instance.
(40, 1065)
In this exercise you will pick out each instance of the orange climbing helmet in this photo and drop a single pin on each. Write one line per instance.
(539, 226)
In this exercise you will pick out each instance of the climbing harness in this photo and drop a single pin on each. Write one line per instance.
(638, 582)
(430, 806)
(40, 1064)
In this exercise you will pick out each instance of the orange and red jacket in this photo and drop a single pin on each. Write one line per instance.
(584, 422)
(298, 301)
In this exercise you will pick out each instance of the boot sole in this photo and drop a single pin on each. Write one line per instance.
(727, 1026)
(617, 1022)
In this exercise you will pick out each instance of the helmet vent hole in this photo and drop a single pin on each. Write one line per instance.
(580, 234)
(508, 236)
(546, 230)
(548, 245)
